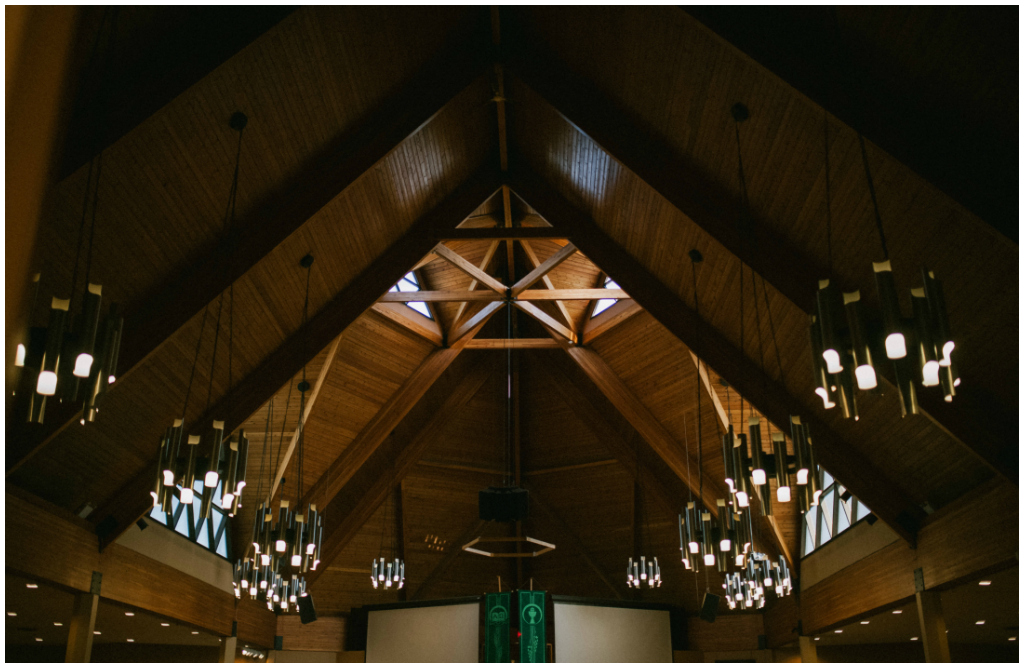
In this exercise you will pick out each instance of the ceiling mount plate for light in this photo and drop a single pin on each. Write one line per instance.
(545, 547)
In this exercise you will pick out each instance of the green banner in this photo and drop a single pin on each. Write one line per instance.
(532, 627)
(496, 623)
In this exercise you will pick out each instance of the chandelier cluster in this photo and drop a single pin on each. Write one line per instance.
(746, 588)
(638, 572)
(844, 342)
(267, 585)
(388, 573)
(175, 469)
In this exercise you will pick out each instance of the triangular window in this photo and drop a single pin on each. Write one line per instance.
(605, 304)
(837, 511)
(410, 283)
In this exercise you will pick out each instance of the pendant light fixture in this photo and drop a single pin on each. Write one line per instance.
(205, 455)
(65, 361)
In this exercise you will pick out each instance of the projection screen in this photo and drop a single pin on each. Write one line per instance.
(602, 634)
(429, 634)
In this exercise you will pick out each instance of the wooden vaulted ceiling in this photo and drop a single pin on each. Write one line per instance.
(371, 129)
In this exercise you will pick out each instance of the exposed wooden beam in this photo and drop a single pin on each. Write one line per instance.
(132, 501)
(588, 312)
(155, 318)
(566, 534)
(579, 294)
(310, 402)
(411, 320)
(470, 269)
(515, 344)
(673, 453)
(546, 267)
(484, 264)
(546, 320)
(478, 222)
(609, 319)
(460, 467)
(380, 426)
(535, 261)
(500, 233)
(472, 530)
(350, 505)
(464, 329)
(772, 399)
(984, 428)
(427, 259)
(510, 256)
(572, 467)
(596, 411)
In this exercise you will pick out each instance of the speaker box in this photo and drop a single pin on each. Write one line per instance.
(709, 607)
(504, 504)
(307, 613)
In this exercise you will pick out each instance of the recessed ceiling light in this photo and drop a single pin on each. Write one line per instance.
(39, 640)
(12, 614)
(96, 633)
(164, 624)
(131, 640)
(32, 586)
(57, 624)
(817, 638)
(914, 638)
(839, 630)
(865, 622)
(129, 614)
(979, 622)
(985, 583)
(1013, 639)
(897, 612)
(195, 633)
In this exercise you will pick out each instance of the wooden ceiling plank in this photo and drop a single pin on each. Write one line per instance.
(563, 254)
(531, 255)
(613, 316)
(153, 320)
(972, 423)
(773, 400)
(132, 501)
(567, 535)
(570, 294)
(346, 512)
(470, 269)
(415, 322)
(545, 319)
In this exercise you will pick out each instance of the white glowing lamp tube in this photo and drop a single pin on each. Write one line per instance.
(864, 369)
(830, 343)
(757, 474)
(46, 384)
(189, 479)
(895, 342)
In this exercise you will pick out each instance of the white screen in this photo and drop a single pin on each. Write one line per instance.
(432, 634)
(597, 634)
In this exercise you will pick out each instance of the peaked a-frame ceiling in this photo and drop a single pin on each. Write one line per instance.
(368, 155)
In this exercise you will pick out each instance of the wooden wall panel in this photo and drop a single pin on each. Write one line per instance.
(727, 633)
(57, 548)
(978, 532)
(326, 635)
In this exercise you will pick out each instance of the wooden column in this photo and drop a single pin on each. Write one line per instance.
(83, 623)
(228, 647)
(808, 650)
(933, 627)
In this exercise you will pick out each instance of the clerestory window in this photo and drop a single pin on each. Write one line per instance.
(605, 304)
(213, 534)
(837, 511)
(410, 283)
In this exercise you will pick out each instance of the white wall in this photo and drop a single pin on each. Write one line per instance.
(847, 548)
(179, 552)
(598, 634)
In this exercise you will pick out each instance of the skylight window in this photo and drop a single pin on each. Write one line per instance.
(605, 304)
(410, 283)
(185, 520)
(833, 515)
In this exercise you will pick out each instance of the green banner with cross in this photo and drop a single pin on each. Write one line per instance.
(496, 625)
(532, 627)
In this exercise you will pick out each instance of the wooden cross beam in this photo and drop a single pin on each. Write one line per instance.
(531, 255)
(772, 399)
(579, 294)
